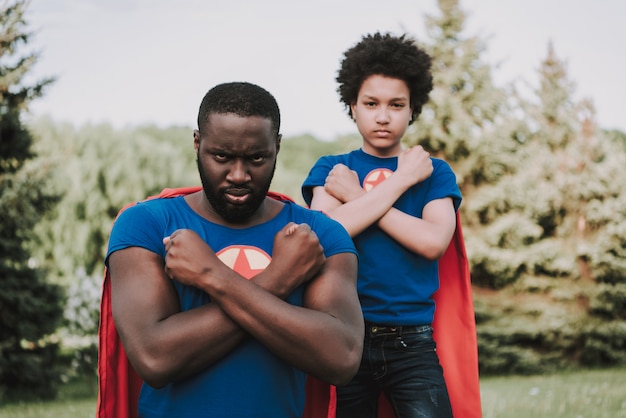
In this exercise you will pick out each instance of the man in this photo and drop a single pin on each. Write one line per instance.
(225, 299)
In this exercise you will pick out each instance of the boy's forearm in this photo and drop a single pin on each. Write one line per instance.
(358, 214)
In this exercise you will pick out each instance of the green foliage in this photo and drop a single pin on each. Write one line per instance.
(528, 332)
(609, 301)
(543, 209)
(99, 170)
(297, 155)
(81, 324)
(30, 307)
(606, 252)
(543, 206)
(604, 343)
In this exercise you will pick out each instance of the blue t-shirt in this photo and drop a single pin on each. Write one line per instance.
(395, 285)
(251, 381)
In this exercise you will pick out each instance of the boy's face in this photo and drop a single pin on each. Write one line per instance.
(382, 113)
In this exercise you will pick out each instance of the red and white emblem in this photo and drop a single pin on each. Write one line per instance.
(245, 259)
(375, 177)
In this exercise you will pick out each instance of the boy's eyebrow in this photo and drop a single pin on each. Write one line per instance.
(399, 98)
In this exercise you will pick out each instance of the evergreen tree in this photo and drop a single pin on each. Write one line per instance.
(542, 209)
(30, 307)
(550, 237)
(467, 120)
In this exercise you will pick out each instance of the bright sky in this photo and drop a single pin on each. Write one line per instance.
(130, 62)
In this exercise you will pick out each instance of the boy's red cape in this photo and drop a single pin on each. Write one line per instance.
(454, 327)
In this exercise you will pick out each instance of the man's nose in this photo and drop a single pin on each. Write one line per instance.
(239, 172)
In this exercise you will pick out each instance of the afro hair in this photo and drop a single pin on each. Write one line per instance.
(391, 56)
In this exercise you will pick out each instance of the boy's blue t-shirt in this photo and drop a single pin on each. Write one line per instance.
(250, 381)
(395, 285)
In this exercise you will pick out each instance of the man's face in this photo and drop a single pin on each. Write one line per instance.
(236, 162)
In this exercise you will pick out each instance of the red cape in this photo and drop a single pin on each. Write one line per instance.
(454, 325)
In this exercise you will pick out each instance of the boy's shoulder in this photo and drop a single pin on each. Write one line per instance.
(342, 156)
(440, 164)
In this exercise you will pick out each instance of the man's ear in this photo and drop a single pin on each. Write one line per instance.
(196, 139)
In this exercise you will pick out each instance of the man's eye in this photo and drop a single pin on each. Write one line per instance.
(257, 159)
(220, 157)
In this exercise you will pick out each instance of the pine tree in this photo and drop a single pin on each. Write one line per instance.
(467, 120)
(550, 238)
(542, 208)
(30, 307)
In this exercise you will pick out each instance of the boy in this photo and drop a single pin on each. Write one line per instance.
(399, 206)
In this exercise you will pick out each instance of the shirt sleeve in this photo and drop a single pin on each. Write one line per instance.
(317, 177)
(137, 226)
(443, 184)
(332, 235)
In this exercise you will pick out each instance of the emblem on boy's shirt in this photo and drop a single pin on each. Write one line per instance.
(245, 259)
(375, 177)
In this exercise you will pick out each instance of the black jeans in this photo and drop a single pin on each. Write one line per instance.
(402, 362)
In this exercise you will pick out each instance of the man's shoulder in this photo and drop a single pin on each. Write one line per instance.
(152, 206)
(332, 235)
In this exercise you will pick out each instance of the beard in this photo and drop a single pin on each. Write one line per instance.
(225, 209)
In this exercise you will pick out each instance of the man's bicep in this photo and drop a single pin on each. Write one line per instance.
(141, 293)
(334, 291)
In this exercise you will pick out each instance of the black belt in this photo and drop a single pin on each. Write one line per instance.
(374, 329)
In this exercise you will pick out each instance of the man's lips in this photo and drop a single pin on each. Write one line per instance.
(237, 195)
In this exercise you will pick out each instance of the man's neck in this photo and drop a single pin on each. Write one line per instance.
(200, 204)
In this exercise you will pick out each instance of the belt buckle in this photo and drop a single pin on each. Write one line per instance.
(376, 329)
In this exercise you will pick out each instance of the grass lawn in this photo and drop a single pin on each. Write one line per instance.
(78, 408)
(580, 394)
(75, 400)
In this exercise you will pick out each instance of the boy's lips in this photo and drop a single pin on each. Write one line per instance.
(382, 133)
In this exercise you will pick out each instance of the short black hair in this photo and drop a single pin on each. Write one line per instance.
(242, 99)
(391, 56)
